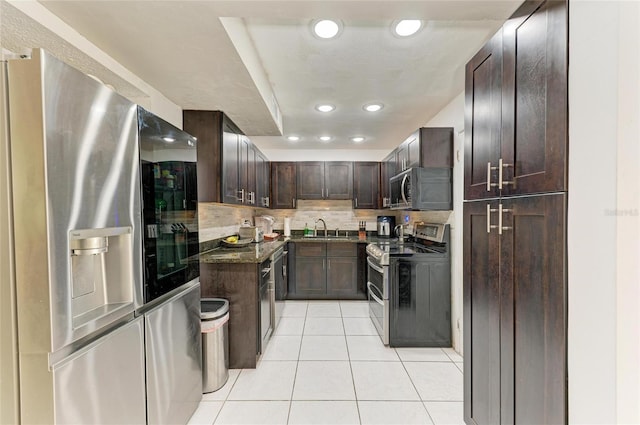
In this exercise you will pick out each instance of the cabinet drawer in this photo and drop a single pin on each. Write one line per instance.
(338, 249)
(310, 249)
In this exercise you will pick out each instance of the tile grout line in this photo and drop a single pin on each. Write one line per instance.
(295, 375)
(353, 381)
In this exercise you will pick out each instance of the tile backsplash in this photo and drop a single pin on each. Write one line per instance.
(220, 220)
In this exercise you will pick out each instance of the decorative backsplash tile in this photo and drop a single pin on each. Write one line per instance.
(220, 220)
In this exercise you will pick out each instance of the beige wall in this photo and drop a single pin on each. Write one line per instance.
(9, 411)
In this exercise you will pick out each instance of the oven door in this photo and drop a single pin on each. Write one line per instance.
(378, 295)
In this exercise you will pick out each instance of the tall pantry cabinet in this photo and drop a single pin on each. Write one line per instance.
(515, 297)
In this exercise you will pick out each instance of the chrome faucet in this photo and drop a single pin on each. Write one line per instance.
(325, 227)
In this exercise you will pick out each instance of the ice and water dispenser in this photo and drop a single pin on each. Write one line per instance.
(101, 273)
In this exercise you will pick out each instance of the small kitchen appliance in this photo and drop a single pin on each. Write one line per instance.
(386, 224)
(265, 222)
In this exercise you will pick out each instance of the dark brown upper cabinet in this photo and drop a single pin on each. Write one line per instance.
(283, 185)
(425, 147)
(366, 185)
(516, 106)
(483, 109)
(230, 167)
(387, 170)
(263, 178)
(325, 180)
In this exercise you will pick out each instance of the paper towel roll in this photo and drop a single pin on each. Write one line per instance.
(287, 226)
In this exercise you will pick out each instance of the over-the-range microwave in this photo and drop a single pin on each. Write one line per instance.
(422, 189)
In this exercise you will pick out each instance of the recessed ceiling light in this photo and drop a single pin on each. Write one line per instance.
(325, 107)
(373, 107)
(326, 28)
(407, 27)
(169, 139)
(293, 138)
(325, 138)
(357, 139)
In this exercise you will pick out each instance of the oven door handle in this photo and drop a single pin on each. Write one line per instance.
(378, 300)
(374, 266)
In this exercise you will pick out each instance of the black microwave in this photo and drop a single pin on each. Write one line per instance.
(422, 189)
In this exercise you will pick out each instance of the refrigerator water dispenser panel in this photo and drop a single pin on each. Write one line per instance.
(101, 274)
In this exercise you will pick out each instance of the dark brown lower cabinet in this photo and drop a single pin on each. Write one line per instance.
(325, 271)
(515, 302)
(238, 283)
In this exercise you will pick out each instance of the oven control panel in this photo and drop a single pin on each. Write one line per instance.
(430, 231)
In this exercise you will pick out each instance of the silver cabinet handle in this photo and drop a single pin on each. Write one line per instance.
(241, 199)
(501, 167)
(489, 184)
(499, 226)
(356, 202)
(489, 225)
(293, 202)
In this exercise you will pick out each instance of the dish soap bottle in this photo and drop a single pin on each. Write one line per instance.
(306, 230)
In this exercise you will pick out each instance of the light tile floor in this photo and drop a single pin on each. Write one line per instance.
(326, 365)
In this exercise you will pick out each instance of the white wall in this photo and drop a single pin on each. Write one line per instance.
(60, 36)
(628, 206)
(603, 282)
(452, 115)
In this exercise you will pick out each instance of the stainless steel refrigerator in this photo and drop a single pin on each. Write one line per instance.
(77, 248)
(107, 302)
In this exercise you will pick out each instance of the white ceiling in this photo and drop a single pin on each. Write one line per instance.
(258, 59)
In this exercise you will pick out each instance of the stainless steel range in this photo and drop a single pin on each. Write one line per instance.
(409, 288)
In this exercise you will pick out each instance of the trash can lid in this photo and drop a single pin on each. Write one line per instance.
(213, 308)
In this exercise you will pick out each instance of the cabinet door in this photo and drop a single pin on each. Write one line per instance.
(206, 126)
(244, 163)
(230, 172)
(388, 170)
(311, 180)
(483, 106)
(262, 180)
(534, 114)
(436, 145)
(413, 150)
(481, 294)
(338, 180)
(402, 156)
(366, 185)
(342, 276)
(283, 185)
(533, 329)
(252, 176)
(311, 276)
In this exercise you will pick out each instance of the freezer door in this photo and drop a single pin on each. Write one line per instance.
(103, 383)
(174, 358)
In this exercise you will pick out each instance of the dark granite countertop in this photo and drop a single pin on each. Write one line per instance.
(252, 253)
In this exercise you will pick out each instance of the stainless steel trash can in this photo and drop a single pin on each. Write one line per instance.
(214, 315)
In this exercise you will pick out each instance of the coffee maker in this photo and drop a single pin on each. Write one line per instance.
(386, 224)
